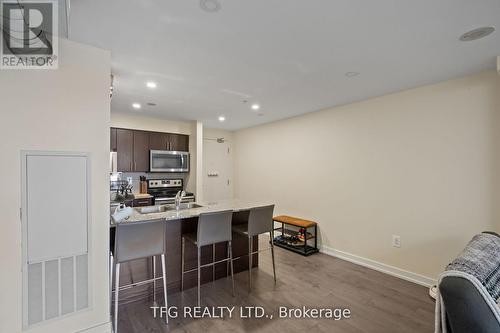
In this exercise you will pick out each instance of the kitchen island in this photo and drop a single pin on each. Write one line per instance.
(180, 222)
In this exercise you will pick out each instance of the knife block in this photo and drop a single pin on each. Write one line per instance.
(143, 188)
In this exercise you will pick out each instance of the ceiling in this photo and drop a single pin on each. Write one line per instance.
(290, 56)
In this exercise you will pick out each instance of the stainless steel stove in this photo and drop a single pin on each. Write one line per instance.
(164, 190)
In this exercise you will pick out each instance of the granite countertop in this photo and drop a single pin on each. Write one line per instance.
(207, 207)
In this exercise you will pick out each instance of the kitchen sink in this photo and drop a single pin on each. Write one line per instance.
(185, 205)
(165, 208)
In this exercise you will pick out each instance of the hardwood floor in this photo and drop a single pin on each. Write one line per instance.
(378, 302)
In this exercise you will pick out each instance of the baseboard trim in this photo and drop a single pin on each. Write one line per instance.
(101, 328)
(378, 266)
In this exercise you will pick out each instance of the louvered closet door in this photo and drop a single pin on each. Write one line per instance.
(55, 217)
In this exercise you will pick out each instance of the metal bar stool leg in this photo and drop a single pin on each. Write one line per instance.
(213, 260)
(164, 271)
(250, 246)
(154, 282)
(199, 275)
(272, 255)
(183, 241)
(227, 262)
(272, 233)
(230, 251)
(117, 285)
(111, 264)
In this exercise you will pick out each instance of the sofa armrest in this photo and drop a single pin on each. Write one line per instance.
(491, 233)
(466, 309)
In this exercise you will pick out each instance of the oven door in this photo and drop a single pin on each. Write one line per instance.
(168, 161)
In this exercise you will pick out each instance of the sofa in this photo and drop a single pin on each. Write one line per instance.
(469, 289)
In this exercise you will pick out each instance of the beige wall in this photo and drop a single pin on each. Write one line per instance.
(214, 133)
(147, 123)
(56, 110)
(496, 157)
(420, 164)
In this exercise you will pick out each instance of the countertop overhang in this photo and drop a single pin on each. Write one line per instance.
(207, 207)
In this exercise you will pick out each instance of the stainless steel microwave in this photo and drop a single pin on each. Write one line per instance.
(168, 161)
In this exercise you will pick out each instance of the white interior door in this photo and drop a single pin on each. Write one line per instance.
(55, 224)
(217, 170)
(56, 206)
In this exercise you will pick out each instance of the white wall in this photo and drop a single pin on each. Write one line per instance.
(58, 110)
(421, 164)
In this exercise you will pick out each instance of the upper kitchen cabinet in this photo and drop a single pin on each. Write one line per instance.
(141, 151)
(133, 146)
(179, 142)
(125, 149)
(168, 141)
(158, 141)
(112, 145)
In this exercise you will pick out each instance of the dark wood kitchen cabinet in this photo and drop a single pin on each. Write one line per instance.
(179, 142)
(133, 146)
(141, 151)
(143, 202)
(168, 141)
(125, 149)
(158, 141)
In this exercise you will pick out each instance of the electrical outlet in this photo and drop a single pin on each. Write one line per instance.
(129, 180)
(396, 241)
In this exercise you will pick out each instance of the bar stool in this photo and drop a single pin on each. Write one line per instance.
(212, 228)
(260, 221)
(137, 241)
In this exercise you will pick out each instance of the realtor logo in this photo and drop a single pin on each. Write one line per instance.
(29, 34)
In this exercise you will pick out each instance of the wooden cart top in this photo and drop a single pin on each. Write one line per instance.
(294, 221)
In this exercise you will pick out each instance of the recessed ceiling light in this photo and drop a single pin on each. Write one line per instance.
(476, 34)
(255, 106)
(136, 106)
(151, 84)
(210, 6)
(222, 118)
(351, 74)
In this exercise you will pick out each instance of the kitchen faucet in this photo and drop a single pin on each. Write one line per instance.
(178, 198)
